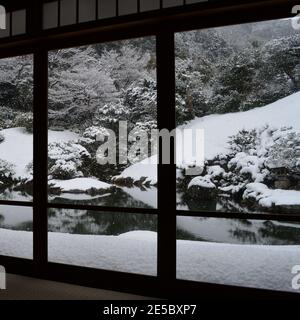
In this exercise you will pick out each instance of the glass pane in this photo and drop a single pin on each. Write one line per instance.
(87, 10)
(16, 236)
(127, 7)
(18, 22)
(123, 242)
(6, 32)
(250, 253)
(50, 15)
(16, 138)
(102, 111)
(172, 3)
(239, 86)
(106, 9)
(195, 1)
(148, 5)
(67, 12)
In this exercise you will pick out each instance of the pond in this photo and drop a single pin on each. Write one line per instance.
(71, 221)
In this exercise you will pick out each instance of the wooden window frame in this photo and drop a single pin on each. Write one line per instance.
(162, 26)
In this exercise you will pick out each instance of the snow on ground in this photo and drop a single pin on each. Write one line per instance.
(258, 266)
(219, 127)
(17, 148)
(79, 184)
(136, 252)
(267, 197)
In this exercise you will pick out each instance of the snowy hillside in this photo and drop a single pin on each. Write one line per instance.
(17, 147)
(219, 127)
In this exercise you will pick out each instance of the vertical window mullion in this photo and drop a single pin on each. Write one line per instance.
(167, 172)
(40, 150)
(117, 8)
(58, 13)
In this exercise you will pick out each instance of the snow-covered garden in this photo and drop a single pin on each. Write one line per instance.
(241, 84)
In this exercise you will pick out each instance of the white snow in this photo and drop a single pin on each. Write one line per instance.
(219, 127)
(146, 168)
(136, 252)
(17, 147)
(267, 197)
(79, 184)
(203, 182)
(267, 267)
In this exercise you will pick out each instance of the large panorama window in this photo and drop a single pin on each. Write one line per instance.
(239, 85)
(102, 98)
(16, 156)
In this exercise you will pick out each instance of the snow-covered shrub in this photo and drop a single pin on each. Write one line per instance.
(65, 159)
(6, 171)
(7, 117)
(243, 141)
(91, 165)
(109, 115)
(25, 120)
(29, 168)
(141, 99)
(286, 152)
(1, 138)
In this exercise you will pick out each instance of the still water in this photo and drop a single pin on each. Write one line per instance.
(105, 223)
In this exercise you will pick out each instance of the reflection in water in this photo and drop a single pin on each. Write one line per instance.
(16, 218)
(15, 195)
(119, 197)
(98, 223)
(238, 231)
(189, 228)
(219, 204)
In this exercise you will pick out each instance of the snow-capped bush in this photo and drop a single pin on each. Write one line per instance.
(6, 171)
(243, 141)
(65, 159)
(90, 136)
(110, 114)
(251, 157)
(1, 138)
(25, 120)
(286, 152)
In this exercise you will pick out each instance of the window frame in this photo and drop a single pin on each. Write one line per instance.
(163, 26)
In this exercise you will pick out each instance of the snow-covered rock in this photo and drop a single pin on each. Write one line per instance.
(202, 182)
(79, 185)
(266, 197)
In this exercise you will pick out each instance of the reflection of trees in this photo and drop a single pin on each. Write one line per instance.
(244, 236)
(101, 223)
(242, 231)
(185, 235)
(267, 233)
(280, 234)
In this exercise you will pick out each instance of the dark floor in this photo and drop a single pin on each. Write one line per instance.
(24, 288)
